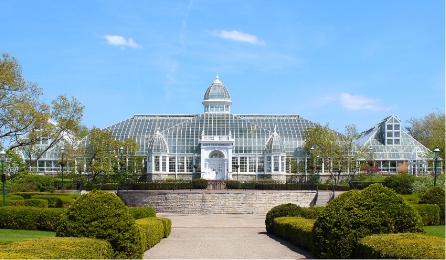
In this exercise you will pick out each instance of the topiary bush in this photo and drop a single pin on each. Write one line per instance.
(199, 183)
(401, 183)
(289, 210)
(295, 229)
(38, 203)
(435, 195)
(103, 215)
(356, 214)
(152, 231)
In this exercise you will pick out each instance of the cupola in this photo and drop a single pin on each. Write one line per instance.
(217, 98)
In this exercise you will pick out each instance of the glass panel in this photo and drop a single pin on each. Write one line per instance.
(260, 164)
(276, 163)
(243, 164)
(396, 127)
(157, 163)
(172, 164)
(389, 134)
(389, 127)
(252, 164)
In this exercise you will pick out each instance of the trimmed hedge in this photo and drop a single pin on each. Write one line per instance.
(54, 201)
(152, 231)
(11, 197)
(199, 183)
(167, 222)
(435, 195)
(30, 218)
(400, 246)
(155, 186)
(290, 210)
(58, 248)
(295, 229)
(430, 213)
(401, 183)
(38, 203)
(15, 203)
(142, 212)
(103, 215)
(357, 214)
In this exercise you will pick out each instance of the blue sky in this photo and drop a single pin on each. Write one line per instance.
(341, 62)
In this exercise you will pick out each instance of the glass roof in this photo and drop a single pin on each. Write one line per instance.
(182, 132)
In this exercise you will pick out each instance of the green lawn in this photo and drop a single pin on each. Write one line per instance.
(436, 231)
(13, 235)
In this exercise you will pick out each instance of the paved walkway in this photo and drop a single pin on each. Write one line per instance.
(222, 236)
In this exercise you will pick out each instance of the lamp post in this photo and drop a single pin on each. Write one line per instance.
(312, 163)
(371, 161)
(62, 164)
(122, 162)
(3, 159)
(236, 167)
(115, 167)
(436, 152)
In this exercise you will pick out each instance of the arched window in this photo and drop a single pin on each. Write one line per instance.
(216, 154)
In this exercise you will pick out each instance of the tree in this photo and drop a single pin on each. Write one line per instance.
(61, 125)
(102, 152)
(337, 150)
(21, 110)
(26, 121)
(429, 131)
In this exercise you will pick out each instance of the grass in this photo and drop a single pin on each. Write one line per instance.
(13, 235)
(436, 231)
(412, 198)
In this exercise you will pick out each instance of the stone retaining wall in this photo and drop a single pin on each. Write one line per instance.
(211, 202)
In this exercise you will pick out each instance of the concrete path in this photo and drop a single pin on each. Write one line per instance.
(222, 236)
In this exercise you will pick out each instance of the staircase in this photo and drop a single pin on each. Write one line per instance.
(323, 197)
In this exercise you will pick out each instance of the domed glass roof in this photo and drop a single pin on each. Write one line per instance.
(216, 91)
(274, 144)
(158, 144)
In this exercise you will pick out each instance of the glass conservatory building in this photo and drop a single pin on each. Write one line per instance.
(218, 144)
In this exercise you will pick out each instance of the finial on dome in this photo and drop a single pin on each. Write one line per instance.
(217, 76)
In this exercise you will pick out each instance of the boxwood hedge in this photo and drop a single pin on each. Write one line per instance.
(400, 246)
(57, 248)
(289, 210)
(435, 195)
(142, 212)
(152, 231)
(30, 218)
(295, 229)
(430, 213)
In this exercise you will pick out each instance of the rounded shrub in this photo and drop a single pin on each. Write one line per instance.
(401, 183)
(435, 195)
(103, 215)
(356, 214)
(288, 210)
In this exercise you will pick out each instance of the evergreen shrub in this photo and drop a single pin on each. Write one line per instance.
(30, 218)
(233, 185)
(400, 246)
(142, 212)
(289, 210)
(199, 183)
(401, 183)
(430, 213)
(54, 201)
(13, 202)
(152, 231)
(103, 215)
(38, 203)
(435, 195)
(296, 230)
(58, 248)
(29, 183)
(357, 214)
(167, 226)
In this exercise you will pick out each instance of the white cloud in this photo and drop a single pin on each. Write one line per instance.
(359, 102)
(119, 40)
(239, 36)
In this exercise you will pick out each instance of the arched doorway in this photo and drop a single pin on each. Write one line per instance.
(216, 166)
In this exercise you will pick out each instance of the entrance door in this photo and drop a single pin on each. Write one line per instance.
(216, 169)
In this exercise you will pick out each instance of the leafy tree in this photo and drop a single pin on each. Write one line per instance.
(102, 153)
(337, 150)
(429, 131)
(21, 110)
